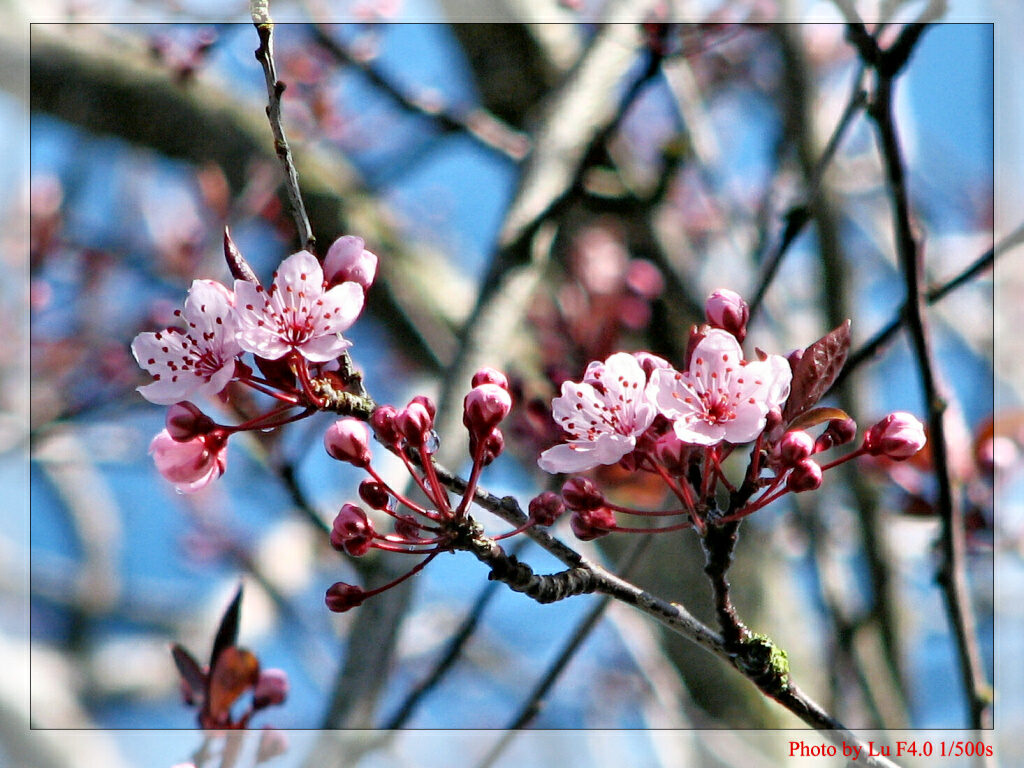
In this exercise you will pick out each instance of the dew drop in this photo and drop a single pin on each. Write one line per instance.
(433, 442)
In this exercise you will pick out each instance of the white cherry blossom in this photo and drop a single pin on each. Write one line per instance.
(199, 359)
(296, 312)
(721, 396)
(603, 415)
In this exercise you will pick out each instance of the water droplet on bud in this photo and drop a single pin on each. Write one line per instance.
(433, 442)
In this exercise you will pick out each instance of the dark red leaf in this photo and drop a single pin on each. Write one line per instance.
(815, 371)
(191, 673)
(240, 269)
(227, 633)
(278, 372)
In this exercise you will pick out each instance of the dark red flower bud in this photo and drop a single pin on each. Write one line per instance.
(838, 432)
(546, 508)
(484, 407)
(349, 440)
(805, 476)
(414, 423)
(383, 422)
(581, 493)
(727, 310)
(374, 494)
(490, 376)
(427, 403)
(342, 597)
(493, 446)
(407, 527)
(590, 524)
(795, 446)
(352, 531)
(185, 421)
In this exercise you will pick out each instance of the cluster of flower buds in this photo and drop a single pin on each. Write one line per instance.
(638, 411)
(420, 529)
(293, 330)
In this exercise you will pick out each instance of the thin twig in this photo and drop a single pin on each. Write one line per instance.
(951, 576)
(875, 344)
(265, 56)
(479, 124)
(797, 217)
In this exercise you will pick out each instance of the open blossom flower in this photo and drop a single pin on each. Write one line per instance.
(721, 396)
(200, 359)
(602, 415)
(296, 312)
(190, 465)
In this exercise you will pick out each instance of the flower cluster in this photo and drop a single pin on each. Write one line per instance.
(293, 330)
(442, 524)
(638, 411)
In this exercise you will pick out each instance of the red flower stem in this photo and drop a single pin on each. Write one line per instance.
(474, 478)
(682, 492)
(721, 475)
(302, 371)
(415, 569)
(843, 459)
(398, 496)
(676, 527)
(391, 538)
(272, 392)
(514, 531)
(646, 512)
(421, 485)
(440, 495)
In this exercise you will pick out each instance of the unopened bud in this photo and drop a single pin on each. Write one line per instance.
(488, 375)
(348, 261)
(795, 446)
(484, 407)
(349, 440)
(590, 524)
(414, 423)
(271, 688)
(494, 444)
(898, 436)
(383, 422)
(185, 421)
(838, 432)
(805, 476)
(374, 494)
(427, 403)
(727, 310)
(342, 597)
(580, 493)
(546, 508)
(352, 531)
(672, 453)
(650, 363)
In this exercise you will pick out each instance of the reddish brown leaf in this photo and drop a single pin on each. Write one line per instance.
(227, 632)
(816, 416)
(240, 269)
(191, 673)
(236, 671)
(814, 373)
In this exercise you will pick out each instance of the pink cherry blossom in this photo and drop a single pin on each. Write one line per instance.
(296, 312)
(602, 415)
(190, 465)
(721, 396)
(198, 360)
